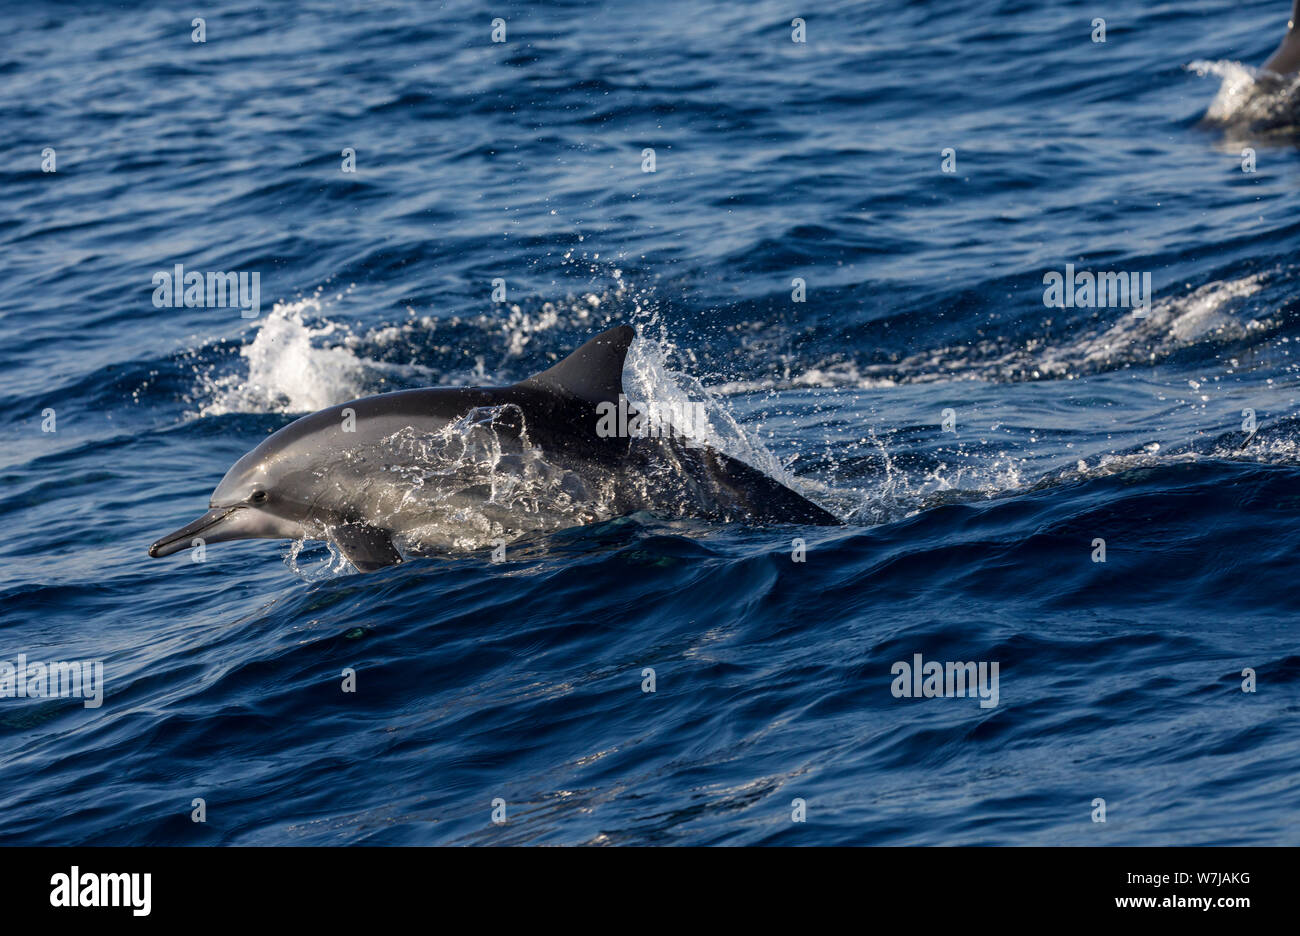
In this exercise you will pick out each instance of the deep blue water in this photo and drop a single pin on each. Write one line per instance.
(1119, 680)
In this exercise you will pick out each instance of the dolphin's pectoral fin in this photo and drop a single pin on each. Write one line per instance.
(366, 547)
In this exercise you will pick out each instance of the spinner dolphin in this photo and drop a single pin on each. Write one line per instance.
(373, 471)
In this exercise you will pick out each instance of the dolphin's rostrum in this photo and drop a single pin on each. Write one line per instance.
(458, 465)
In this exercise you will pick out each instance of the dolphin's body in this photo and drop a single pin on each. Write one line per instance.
(397, 465)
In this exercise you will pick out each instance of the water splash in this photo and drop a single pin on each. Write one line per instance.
(1251, 100)
(297, 361)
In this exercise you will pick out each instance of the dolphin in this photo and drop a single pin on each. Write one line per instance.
(540, 454)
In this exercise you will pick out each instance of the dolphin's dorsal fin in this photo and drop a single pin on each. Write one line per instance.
(594, 372)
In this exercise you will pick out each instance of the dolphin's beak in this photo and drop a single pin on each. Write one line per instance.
(175, 542)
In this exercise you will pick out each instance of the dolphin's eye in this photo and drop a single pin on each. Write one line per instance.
(258, 497)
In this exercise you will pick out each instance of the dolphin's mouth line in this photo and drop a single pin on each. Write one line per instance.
(208, 520)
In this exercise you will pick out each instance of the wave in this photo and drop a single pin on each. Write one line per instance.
(1208, 316)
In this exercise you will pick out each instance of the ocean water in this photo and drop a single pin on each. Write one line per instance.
(976, 442)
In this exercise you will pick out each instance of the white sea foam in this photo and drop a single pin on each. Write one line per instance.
(298, 361)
